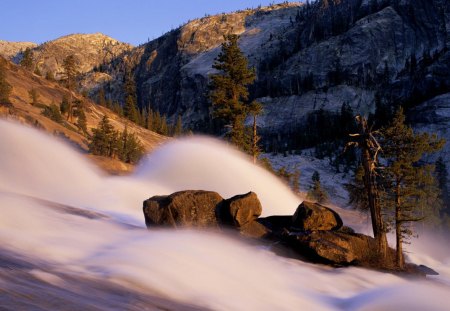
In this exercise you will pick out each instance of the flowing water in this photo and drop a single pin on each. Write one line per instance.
(70, 233)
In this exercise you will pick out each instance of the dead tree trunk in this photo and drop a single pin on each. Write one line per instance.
(370, 148)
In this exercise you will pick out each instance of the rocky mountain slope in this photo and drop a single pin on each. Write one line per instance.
(10, 49)
(90, 51)
(370, 54)
(307, 57)
(20, 109)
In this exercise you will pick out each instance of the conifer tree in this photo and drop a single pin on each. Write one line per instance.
(357, 194)
(71, 71)
(81, 121)
(5, 87)
(442, 179)
(255, 109)
(64, 106)
(50, 76)
(101, 97)
(406, 180)
(130, 109)
(229, 88)
(34, 96)
(27, 59)
(102, 139)
(178, 128)
(316, 192)
(365, 140)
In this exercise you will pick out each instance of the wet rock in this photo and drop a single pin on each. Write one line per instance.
(334, 247)
(312, 216)
(240, 210)
(190, 208)
(254, 230)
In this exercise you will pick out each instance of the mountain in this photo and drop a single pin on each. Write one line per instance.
(10, 49)
(50, 92)
(372, 55)
(90, 51)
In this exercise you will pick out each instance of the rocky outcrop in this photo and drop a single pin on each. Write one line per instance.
(10, 49)
(91, 51)
(183, 209)
(313, 217)
(315, 232)
(206, 209)
(335, 247)
(240, 210)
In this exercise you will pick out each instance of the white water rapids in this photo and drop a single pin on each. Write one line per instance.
(196, 268)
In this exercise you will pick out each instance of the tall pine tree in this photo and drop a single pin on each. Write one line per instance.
(5, 87)
(27, 59)
(229, 89)
(408, 183)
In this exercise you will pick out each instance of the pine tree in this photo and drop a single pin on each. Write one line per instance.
(52, 112)
(357, 194)
(101, 97)
(64, 106)
(71, 71)
(164, 129)
(130, 109)
(442, 178)
(406, 180)
(50, 76)
(178, 128)
(103, 139)
(81, 121)
(27, 59)
(255, 110)
(5, 87)
(365, 140)
(316, 192)
(34, 96)
(229, 93)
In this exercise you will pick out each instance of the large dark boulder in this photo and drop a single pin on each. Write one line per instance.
(190, 208)
(313, 216)
(334, 247)
(240, 210)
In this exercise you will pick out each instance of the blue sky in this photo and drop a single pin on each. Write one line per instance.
(132, 21)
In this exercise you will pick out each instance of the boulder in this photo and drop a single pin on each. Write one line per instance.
(334, 247)
(240, 210)
(190, 208)
(313, 216)
(254, 230)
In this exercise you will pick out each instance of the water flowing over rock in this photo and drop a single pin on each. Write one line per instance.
(314, 232)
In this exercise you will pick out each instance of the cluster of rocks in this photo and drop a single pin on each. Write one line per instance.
(314, 232)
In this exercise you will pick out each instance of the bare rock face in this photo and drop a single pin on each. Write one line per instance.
(183, 209)
(312, 217)
(240, 210)
(334, 246)
(10, 49)
(90, 51)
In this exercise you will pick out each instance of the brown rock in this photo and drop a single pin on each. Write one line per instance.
(185, 208)
(313, 216)
(334, 247)
(254, 230)
(240, 209)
